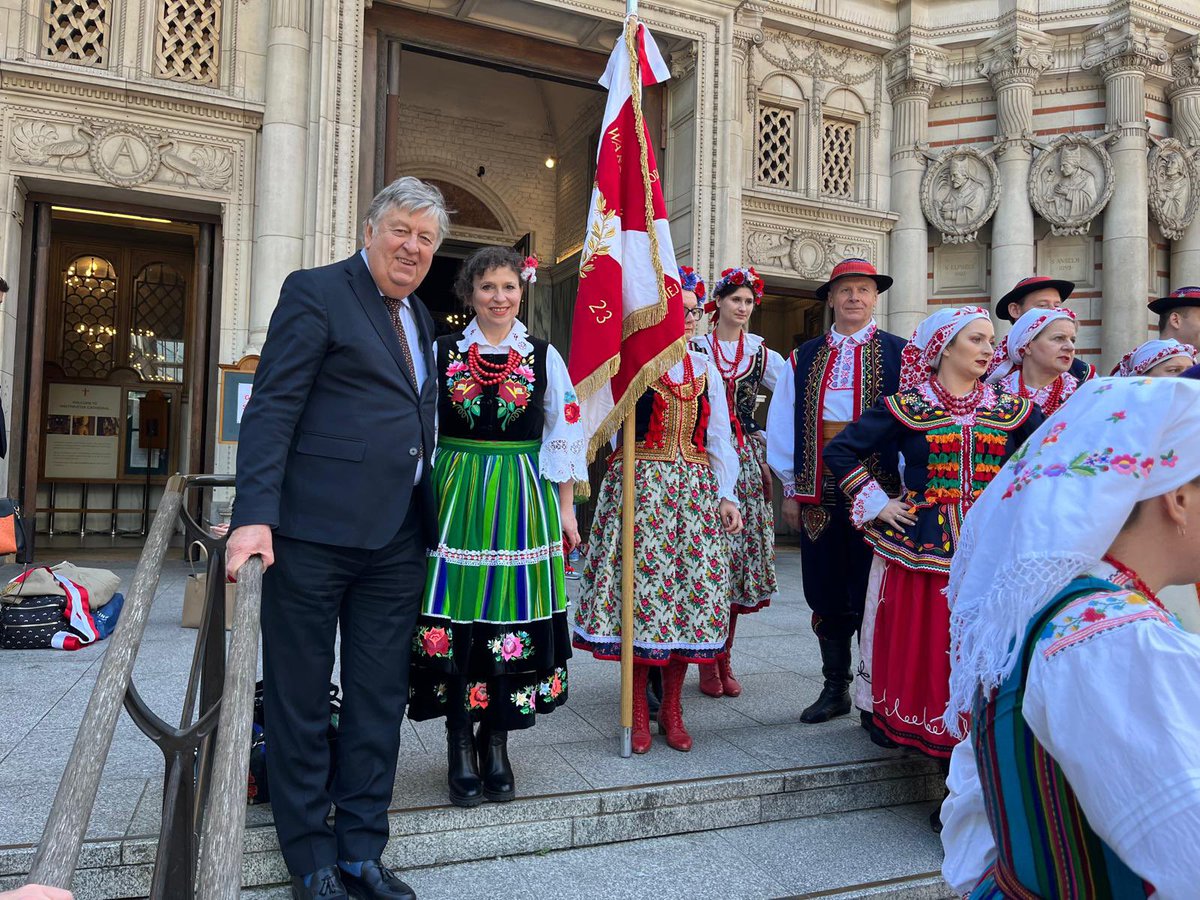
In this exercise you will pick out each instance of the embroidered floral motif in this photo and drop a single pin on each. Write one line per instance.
(570, 407)
(439, 690)
(1117, 416)
(553, 687)
(524, 701)
(466, 393)
(1085, 465)
(1052, 435)
(1096, 613)
(432, 641)
(477, 696)
(510, 646)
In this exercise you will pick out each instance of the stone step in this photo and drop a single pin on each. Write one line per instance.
(881, 854)
(591, 820)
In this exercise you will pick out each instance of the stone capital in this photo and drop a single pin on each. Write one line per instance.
(1018, 57)
(1185, 70)
(1128, 43)
(915, 70)
(683, 62)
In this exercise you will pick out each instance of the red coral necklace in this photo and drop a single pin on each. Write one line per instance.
(1053, 399)
(957, 406)
(728, 368)
(677, 388)
(490, 373)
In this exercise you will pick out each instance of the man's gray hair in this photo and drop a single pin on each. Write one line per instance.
(414, 195)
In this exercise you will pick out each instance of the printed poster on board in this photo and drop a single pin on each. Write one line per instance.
(83, 432)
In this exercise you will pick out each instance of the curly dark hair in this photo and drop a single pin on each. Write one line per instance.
(479, 263)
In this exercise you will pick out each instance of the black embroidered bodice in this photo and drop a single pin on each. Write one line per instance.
(513, 410)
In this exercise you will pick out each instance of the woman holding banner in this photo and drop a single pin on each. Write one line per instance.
(685, 477)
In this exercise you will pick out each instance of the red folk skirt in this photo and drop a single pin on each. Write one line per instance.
(910, 660)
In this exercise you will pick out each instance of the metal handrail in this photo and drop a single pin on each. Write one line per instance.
(225, 817)
(195, 775)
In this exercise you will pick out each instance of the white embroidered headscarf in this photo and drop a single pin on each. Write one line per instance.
(919, 360)
(1141, 360)
(1024, 330)
(1055, 509)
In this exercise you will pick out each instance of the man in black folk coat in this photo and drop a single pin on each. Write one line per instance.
(333, 493)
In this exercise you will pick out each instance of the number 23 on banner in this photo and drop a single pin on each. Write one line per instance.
(601, 311)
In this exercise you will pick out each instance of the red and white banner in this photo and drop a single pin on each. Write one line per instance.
(628, 324)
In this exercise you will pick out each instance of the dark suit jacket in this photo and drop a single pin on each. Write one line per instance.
(329, 441)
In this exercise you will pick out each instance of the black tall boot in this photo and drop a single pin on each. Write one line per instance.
(462, 768)
(494, 767)
(835, 696)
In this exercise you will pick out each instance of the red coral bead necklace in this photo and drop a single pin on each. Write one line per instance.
(490, 373)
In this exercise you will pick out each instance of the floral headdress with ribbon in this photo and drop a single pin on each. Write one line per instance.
(529, 270)
(736, 277)
(919, 359)
(1027, 327)
(690, 280)
(1141, 360)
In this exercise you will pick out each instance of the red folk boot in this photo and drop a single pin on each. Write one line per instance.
(729, 684)
(670, 714)
(710, 681)
(641, 710)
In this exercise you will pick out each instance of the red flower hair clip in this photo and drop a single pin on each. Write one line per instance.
(529, 270)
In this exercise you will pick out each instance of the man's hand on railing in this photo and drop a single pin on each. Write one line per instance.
(245, 542)
(36, 892)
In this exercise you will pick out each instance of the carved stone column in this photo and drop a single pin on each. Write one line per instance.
(1184, 94)
(735, 123)
(281, 182)
(1013, 63)
(914, 72)
(1124, 52)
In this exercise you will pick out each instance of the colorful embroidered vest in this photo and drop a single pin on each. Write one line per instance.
(513, 410)
(668, 428)
(1045, 846)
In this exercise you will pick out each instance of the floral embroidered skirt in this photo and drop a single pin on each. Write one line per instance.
(905, 668)
(681, 568)
(752, 551)
(495, 609)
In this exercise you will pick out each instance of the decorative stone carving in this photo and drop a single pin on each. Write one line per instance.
(1071, 182)
(121, 153)
(76, 31)
(1128, 42)
(187, 44)
(1021, 57)
(960, 192)
(1174, 186)
(809, 254)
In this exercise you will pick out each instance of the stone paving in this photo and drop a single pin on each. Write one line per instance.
(43, 693)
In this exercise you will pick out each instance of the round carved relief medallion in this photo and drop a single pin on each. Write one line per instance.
(125, 155)
(1070, 183)
(959, 193)
(1174, 186)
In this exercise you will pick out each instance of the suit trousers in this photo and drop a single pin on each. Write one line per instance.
(374, 596)
(835, 563)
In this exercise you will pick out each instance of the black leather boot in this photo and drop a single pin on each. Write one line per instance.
(878, 735)
(494, 767)
(835, 696)
(462, 770)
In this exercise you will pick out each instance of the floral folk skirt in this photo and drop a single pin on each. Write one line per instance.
(681, 567)
(752, 551)
(905, 668)
(495, 608)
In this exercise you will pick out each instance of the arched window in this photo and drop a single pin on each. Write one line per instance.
(156, 330)
(89, 317)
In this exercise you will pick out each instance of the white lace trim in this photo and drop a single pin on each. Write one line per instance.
(789, 489)
(516, 338)
(479, 558)
(868, 503)
(561, 460)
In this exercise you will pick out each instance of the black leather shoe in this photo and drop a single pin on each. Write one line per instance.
(494, 767)
(462, 770)
(325, 884)
(377, 882)
(835, 695)
(878, 735)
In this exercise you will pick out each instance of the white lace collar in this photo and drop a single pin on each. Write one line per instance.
(517, 339)
(859, 337)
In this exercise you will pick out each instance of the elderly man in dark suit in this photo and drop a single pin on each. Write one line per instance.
(333, 493)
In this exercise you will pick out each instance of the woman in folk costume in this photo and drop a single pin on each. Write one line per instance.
(746, 365)
(954, 432)
(686, 472)
(1041, 350)
(492, 642)
(1157, 359)
(1080, 777)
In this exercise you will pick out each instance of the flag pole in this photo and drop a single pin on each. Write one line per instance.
(627, 513)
